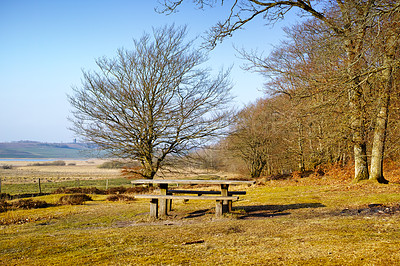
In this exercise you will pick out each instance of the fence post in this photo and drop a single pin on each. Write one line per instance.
(107, 184)
(40, 187)
(0, 185)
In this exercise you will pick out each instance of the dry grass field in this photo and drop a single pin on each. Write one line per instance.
(307, 221)
(25, 172)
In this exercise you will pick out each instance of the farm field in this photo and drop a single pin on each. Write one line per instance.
(308, 221)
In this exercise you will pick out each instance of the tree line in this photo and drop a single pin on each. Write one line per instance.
(334, 82)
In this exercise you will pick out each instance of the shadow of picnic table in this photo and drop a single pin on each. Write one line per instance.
(260, 211)
(264, 211)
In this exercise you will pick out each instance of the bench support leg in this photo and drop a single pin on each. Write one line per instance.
(154, 208)
(227, 204)
(163, 202)
(219, 206)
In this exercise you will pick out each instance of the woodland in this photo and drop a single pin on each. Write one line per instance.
(331, 87)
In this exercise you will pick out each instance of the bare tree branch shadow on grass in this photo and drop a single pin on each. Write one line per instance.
(265, 211)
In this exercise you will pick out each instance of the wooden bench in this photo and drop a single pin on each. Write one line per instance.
(204, 192)
(219, 207)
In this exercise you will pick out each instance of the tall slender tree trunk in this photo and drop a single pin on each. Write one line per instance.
(378, 145)
(357, 110)
(359, 135)
(359, 139)
(380, 131)
(300, 144)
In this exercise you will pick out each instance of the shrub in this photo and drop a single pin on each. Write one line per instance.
(117, 165)
(29, 204)
(7, 166)
(4, 196)
(112, 190)
(111, 165)
(79, 190)
(55, 163)
(129, 190)
(117, 190)
(74, 199)
(3, 206)
(120, 197)
(58, 163)
(23, 204)
(139, 189)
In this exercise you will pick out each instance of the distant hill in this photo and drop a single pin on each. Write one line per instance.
(32, 149)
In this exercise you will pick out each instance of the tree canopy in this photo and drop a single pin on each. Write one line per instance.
(152, 101)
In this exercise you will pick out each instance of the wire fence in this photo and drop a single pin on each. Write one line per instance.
(40, 187)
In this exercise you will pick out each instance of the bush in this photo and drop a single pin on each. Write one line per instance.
(112, 190)
(79, 190)
(4, 196)
(111, 165)
(29, 204)
(120, 197)
(58, 163)
(74, 199)
(117, 165)
(117, 190)
(129, 190)
(3, 206)
(55, 163)
(7, 166)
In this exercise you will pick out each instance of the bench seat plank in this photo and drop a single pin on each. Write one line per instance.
(145, 196)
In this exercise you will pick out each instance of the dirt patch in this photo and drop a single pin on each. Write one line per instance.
(373, 209)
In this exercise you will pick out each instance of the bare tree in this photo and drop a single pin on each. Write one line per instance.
(250, 139)
(152, 101)
(262, 137)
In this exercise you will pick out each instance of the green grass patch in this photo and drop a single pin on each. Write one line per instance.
(49, 187)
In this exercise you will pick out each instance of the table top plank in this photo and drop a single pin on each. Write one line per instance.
(192, 182)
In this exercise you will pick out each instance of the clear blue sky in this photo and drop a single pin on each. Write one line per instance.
(44, 45)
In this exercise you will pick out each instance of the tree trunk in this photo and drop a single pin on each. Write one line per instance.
(300, 143)
(360, 144)
(256, 166)
(379, 142)
(380, 132)
(357, 117)
(148, 171)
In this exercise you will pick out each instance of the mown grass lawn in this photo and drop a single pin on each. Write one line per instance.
(285, 223)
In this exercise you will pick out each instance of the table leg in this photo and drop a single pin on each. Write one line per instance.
(219, 208)
(163, 203)
(154, 208)
(227, 204)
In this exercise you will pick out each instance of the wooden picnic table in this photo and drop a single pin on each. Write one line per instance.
(166, 193)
